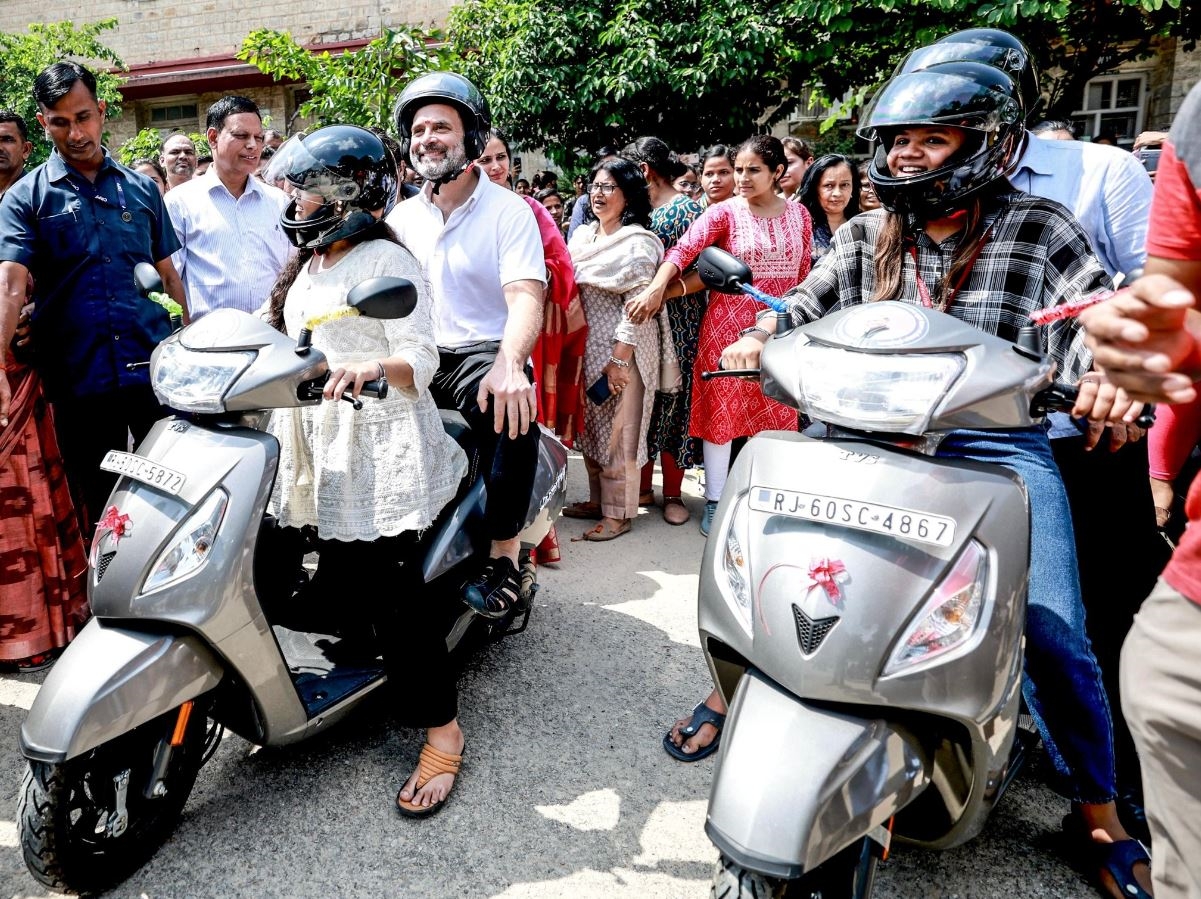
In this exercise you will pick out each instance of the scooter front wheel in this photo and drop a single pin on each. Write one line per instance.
(88, 823)
(850, 874)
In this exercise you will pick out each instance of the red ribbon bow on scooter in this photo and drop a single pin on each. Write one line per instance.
(114, 523)
(826, 573)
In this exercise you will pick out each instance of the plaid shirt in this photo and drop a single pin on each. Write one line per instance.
(1036, 256)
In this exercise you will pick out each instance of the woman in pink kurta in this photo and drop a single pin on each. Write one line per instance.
(774, 238)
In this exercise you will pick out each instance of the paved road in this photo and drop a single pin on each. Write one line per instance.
(566, 791)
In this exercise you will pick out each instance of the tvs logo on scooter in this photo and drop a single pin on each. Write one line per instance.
(881, 325)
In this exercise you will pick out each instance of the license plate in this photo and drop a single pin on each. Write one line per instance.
(140, 469)
(906, 524)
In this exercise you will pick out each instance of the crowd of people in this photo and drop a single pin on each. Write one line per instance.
(582, 310)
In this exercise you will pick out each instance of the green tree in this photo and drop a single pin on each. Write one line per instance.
(23, 56)
(856, 44)
(147, 143)
(574, 76)
(356, 87)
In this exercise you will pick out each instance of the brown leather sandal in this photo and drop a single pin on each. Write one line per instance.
(430, 764)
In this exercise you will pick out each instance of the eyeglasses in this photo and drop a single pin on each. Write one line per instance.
(604, 190)
(688, 187)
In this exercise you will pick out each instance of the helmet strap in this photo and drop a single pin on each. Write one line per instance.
(446, 179)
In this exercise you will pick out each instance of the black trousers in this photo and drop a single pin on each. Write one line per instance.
(90, 426)
(394, 602)
(508, 464)
(1121, 554)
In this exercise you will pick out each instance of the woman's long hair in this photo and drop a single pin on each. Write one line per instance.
(894, 241)
(813, 178)
(381, 230)
(633, 188)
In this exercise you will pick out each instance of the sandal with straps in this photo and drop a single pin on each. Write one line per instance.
(430, 764)
(496, 590)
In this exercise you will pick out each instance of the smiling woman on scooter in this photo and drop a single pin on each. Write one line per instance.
(958, 239)
(368, 479)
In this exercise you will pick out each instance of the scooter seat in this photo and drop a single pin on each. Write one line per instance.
(456, 426)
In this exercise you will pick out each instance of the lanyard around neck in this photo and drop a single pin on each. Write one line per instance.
(924, 291)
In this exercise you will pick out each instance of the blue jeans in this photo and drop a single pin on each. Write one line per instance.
(1063, 685)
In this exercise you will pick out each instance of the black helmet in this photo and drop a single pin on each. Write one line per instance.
(991, 46)
(978, 98)
(452, 89)
(346, 169)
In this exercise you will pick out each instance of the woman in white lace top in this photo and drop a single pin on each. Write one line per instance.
(368, 480)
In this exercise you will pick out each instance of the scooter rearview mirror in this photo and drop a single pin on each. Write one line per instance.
(147, 279)
(383, 298)
(722, 271)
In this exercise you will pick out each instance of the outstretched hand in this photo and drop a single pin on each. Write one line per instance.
(514, 396)
(1142, 339)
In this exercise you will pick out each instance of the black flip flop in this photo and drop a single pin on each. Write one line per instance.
(701, 715)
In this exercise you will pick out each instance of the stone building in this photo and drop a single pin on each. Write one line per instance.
(181, 55)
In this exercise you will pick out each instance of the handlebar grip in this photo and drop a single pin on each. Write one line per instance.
(376, 389)
(748, 373)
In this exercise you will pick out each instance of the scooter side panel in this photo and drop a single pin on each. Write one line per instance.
(219, 600)
(798, 783)
(108, 682)
(887, 580)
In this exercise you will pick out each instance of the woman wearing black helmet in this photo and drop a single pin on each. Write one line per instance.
(339, 471)
(957, 238)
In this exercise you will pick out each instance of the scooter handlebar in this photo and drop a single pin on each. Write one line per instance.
(750, 374)
(1062, 397)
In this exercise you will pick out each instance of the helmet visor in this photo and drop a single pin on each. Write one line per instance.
(303, 177)
(937, 98)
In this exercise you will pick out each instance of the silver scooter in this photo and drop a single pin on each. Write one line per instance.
(189, 586)
(862, 603)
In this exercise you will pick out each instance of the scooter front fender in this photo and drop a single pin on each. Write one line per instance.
(795, 782)
(108, 682)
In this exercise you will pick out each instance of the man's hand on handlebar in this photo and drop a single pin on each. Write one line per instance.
(744, 352)
(1105, 405)
(350, 377)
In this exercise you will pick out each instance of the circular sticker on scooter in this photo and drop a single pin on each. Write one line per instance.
(887, 324)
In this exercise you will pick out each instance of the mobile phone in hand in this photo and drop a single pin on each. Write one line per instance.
(599, 391)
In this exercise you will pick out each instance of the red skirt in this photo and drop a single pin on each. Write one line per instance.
(725, 408)
(43, 594)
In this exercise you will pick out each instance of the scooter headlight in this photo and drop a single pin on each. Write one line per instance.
(191, 546)
(194, 381)
(946, 625)
(737, 569)
(880, 392)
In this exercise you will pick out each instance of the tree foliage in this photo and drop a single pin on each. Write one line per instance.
(23, 56)
(857, 44)
(146, 144)
(354, 87)
(576, 75)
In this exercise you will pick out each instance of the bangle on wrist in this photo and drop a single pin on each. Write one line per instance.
(754, 329)
(683, 286)
(620, 363)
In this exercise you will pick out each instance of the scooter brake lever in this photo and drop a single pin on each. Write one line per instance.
(1147, 417)
(355, 403)
(750, 374)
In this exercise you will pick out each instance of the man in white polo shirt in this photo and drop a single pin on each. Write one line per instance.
(232, 247)
(480, 248)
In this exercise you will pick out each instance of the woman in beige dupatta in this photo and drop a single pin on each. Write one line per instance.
(615, 256)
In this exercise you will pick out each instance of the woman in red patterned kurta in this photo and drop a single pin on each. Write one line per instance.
(774, 238)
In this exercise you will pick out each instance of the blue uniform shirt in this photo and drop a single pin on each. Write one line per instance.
(81, 240)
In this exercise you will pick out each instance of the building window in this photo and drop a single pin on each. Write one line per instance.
(1113, 108)
(177, 116)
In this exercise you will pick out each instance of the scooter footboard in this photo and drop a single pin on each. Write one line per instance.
(795, 783)
(108, 682)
